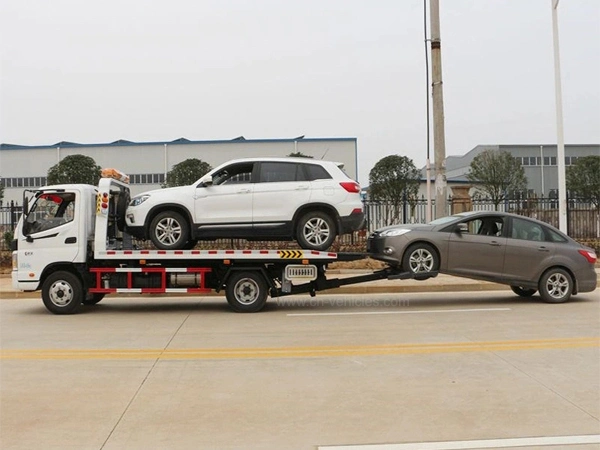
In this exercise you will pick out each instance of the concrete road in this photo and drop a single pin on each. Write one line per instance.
(178, 373)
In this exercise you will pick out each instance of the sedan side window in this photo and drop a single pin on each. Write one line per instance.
(526, 230)
(486, 226)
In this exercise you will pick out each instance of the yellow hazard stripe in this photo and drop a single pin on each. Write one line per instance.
(291, 254)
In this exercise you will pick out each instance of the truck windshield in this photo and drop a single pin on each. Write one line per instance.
(50, 210)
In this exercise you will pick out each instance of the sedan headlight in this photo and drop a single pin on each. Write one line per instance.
(394, 232)
(139, 200)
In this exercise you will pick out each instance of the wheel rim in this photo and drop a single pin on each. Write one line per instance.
(61, 293)
(557, 285)
(246, 291)
(420, 261)
(316, 231)
(168, 231)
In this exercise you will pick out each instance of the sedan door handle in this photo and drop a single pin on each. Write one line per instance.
(302, 188)
(243, 191)
(495, 243)
(542, 249)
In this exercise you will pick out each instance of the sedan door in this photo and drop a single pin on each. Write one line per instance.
(478, 251)
(527, 250)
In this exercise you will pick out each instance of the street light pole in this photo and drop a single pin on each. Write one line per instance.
(439, 143)
(560, 148)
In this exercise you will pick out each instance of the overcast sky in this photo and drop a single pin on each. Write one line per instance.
(94, 72)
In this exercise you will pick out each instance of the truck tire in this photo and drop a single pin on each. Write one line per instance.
(62, 292)
(246, 291)
(315, 231)
(169, 231)
(92, 299)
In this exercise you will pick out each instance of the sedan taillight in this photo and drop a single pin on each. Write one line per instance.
(589, 255)
(351, 186)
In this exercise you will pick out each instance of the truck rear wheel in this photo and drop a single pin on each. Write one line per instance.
(62, 292)
(246, 291)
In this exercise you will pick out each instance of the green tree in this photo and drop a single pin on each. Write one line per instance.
(583, 178)
(395, 179)
(187, 172)
(75, 169)
(497, 173)
(299, 155)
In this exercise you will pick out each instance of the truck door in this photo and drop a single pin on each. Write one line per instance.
(49, 234)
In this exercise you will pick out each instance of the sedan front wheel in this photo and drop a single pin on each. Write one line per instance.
(420, 259)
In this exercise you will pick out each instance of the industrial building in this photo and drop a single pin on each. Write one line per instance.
(538, 161)
(147, 163)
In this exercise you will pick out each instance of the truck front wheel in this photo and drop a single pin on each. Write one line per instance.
(246, 291)
(62, 293)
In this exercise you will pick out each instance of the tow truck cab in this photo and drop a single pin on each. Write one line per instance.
(57, 229)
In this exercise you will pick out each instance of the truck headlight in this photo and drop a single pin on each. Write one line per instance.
(394, 232)
(139, 200)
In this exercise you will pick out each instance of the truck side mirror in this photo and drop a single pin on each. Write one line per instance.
(25, 206)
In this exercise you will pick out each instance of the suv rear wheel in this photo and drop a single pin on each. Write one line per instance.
(315, 231)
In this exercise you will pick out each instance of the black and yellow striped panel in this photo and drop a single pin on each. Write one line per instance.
(290, 254)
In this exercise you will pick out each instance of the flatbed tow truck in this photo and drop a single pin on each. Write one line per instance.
(71, 244)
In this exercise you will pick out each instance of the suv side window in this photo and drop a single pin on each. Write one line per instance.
(235, 174)
(49, 211)
(276, 172)
(316, 172)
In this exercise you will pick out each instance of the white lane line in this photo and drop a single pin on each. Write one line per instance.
(366, 313)
(487, 443)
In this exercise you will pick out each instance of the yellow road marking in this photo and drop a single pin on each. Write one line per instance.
(298, 352)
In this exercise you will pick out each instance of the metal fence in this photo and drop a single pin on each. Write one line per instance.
(583, 221)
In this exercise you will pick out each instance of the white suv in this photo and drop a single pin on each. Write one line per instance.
(308, 200)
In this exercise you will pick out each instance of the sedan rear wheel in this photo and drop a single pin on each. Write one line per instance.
(523, 292)
(420, 259)
(556, 285)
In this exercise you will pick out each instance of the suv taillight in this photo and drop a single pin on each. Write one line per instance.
(351, 186)
(589, 255)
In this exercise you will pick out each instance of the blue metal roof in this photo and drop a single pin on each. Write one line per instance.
(180, 141)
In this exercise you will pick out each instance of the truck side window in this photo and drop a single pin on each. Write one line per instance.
(50, 210)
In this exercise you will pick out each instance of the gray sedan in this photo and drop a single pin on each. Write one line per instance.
(524, 253)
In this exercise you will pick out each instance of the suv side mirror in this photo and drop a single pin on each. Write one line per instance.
(206, 181)
(462, 228)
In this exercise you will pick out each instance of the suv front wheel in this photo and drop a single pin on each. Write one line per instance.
(315, 231)
(169, 231)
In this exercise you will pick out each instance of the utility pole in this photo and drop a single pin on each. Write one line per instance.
(560, 148)
(439, 142)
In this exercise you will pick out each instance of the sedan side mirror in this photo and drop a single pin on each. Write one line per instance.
(462, 228)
